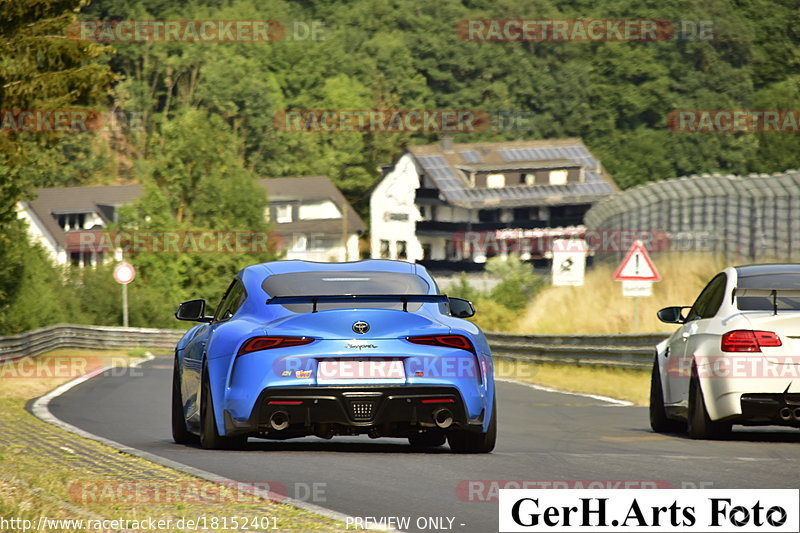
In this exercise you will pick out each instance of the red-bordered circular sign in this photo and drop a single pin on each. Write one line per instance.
(124, 273)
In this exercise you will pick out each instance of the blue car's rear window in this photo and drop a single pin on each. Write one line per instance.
(326, 283)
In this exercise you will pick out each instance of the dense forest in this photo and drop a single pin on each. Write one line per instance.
(195, 120)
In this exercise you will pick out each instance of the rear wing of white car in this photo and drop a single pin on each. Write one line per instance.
(767, 293)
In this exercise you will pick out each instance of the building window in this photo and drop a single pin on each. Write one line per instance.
(558, 177)
(489, 215)
(71, 222)
(299, 243)
(495, 181)
(80, 259)
(283, 213)
(426, 251)
(401, 250)
(529, 178)
(384, 249)
(522, 213)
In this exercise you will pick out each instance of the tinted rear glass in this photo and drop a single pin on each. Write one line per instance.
(782, 280)
(338, 283)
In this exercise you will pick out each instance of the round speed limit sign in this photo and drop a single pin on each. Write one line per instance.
(124, 273)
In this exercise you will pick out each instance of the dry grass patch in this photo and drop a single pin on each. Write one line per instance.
(46, 471)
(632, 385)
(598, 307)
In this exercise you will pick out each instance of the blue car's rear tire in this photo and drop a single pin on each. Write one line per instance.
(210, 439)
(469, 442)
(180, 434)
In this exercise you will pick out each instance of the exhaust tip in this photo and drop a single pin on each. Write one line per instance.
(796, 414)
(443, 418)
(786, 414)
(279, 420)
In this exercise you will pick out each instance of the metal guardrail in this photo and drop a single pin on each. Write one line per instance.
(631, 351)
(627, 351)
(94, 337)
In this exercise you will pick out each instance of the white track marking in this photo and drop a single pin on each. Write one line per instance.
(41, 409)
(607, 399)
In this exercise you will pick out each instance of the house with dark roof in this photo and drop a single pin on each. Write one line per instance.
(310, 213)
(451, 205)
(315, 219)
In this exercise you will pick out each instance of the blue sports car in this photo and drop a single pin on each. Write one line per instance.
(297, 348)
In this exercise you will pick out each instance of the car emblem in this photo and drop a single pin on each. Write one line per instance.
(361, 327)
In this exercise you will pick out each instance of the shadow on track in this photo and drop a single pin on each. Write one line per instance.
(333, 446)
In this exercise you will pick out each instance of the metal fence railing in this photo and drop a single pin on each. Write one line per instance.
(744, 218)
(87, 337)
(632, 351)
(628, 351)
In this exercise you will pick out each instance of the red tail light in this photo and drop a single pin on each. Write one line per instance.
(449, 341)
(256, 344)
(743, 340)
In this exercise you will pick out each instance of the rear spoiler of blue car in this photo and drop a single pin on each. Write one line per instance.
(345, 298)
(767, 293)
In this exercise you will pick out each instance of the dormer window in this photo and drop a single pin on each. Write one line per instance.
(71, 221)
(558, 177)
(283, 213)
(495, 181)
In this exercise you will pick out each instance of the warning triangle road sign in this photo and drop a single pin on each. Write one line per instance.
(637, 265)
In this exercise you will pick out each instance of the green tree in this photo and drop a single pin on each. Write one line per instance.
(40, 70)
(195, 181)
(518, 284)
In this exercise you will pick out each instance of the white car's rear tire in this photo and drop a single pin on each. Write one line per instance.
(700, 425)
(658, 414)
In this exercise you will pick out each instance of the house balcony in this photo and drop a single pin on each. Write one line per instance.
(429, 227)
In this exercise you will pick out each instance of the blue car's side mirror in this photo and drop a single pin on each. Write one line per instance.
(193, 311)
(461, 308)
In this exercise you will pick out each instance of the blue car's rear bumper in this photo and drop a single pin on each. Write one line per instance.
(377, 410)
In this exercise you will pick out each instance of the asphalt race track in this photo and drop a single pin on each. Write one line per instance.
(542, 436)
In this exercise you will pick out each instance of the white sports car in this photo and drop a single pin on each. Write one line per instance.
(735, 358)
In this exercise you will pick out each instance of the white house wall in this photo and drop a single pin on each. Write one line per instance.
(393, 213)
(39, 235)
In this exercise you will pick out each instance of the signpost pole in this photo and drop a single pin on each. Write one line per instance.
(125, 305)
(124, 273)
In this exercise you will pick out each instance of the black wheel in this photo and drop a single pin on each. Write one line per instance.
(469, 442)
(700, 424)
(180, 434)
(431, 439)
(210, 438)
(658, 414)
